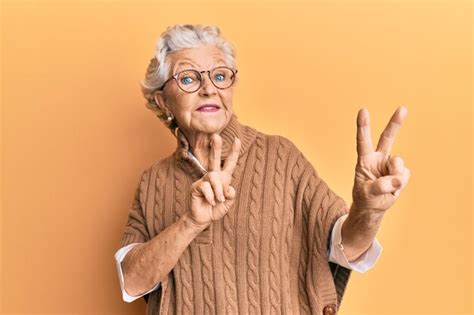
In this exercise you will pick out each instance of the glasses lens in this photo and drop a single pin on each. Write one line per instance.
(189, 80)
(222, 77)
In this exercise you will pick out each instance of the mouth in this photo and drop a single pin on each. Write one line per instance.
(208, 108)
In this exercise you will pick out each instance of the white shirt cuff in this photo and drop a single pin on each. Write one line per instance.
(336, 254)
(119, 256)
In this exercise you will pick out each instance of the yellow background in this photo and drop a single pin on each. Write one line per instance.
(76, 134)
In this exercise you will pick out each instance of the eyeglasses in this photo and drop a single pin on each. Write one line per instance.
(191, 80)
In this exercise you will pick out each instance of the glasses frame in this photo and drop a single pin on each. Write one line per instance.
(175, 77)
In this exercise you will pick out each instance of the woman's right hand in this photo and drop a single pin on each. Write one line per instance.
(212, 195)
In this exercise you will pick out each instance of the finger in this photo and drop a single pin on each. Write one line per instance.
(205, 189)
(227, 204)
(230, 193)
(388, 135)
(222, 209)
(364, 137)
(215, 154)
(396, 165)
(231, 161)
(216, 183)
(385, 185)
(405, 177)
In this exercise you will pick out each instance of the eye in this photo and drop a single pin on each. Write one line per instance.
(187, 80)
(219, 77)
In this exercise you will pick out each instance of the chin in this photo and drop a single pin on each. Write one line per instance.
(213, 128)
(214, 125)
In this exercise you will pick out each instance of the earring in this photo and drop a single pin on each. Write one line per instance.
(169, 117)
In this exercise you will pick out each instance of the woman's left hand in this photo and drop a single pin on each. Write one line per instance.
(379, 177)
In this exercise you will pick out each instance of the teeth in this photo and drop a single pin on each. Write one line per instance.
(208, 107)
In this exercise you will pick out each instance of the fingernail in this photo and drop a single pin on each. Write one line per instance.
(396, 182)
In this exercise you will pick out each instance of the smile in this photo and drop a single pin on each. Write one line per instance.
(208, 108)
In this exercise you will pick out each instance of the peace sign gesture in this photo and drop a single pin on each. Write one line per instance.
(379, 177)
(212, 195)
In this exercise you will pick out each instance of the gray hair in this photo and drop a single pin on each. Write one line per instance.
(175, 38)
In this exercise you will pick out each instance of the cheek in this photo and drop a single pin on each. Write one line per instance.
(181, 104)
(227, 99)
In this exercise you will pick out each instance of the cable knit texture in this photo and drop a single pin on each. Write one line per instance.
(267, 255)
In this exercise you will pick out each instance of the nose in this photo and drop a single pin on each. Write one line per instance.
(207, 87)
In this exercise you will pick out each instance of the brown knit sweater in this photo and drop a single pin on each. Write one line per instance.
(268, 254)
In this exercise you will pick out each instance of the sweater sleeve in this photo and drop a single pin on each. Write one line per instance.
(323, 207)
(136, 230)
(336, 254)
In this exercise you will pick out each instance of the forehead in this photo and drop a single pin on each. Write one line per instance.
(200, 57)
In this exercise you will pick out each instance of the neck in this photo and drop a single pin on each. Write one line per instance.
(200, 145)
(232, 130)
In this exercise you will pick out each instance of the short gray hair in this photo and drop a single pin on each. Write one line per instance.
(175, 38)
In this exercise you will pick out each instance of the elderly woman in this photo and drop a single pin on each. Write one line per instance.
(235, 220)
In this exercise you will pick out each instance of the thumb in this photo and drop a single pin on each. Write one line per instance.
(230, 193)
(385, 185)
(222, 208)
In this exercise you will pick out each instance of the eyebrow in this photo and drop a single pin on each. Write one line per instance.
(185, 62)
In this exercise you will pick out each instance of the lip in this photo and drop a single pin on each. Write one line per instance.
(210, 107)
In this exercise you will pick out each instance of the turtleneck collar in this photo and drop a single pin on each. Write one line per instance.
(232, 130)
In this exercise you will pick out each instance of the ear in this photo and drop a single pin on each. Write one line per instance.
(161, 102)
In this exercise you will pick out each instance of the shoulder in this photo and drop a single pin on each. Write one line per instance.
(281, 148)
(156, 168)
(282, 153)
(279, 143)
